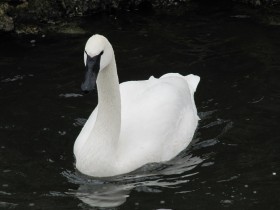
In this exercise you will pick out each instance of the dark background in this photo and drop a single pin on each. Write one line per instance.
(234, 46)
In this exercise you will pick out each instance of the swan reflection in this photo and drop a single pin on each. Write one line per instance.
(114, 191)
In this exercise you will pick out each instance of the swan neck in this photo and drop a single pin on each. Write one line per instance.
(108, 120)
(97, 154)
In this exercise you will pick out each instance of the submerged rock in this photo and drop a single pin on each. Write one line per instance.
(6, 22)
(33, 16)
(22, 29)
(259, 3)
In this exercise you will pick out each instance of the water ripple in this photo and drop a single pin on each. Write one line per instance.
(112, 192)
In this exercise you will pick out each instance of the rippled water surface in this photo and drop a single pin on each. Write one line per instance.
(233, 161)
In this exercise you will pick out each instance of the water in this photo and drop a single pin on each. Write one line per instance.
(233, 160)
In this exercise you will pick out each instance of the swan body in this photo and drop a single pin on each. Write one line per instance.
(135, 122)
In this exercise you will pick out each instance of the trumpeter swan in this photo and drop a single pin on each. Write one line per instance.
(135, 122)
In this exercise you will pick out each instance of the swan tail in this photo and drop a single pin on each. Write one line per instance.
(193, 81)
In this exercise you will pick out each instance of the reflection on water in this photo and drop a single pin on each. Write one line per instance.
(114, 192)
(103, 194)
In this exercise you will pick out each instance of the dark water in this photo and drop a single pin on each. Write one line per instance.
(233, 161)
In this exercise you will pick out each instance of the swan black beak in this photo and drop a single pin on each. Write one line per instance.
(91, 73)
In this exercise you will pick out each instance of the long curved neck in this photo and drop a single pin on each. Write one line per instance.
(96, 155)
(108, 121)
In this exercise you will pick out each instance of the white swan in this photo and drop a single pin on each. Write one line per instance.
(135, 122)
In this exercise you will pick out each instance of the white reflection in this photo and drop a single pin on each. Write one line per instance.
(112, 192)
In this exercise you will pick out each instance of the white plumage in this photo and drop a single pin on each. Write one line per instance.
(135, 122)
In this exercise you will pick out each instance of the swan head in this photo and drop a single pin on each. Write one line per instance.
(97, 56)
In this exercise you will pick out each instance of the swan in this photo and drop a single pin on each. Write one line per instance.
(135, 122)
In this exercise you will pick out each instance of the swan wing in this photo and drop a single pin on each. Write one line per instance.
(159, 118)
